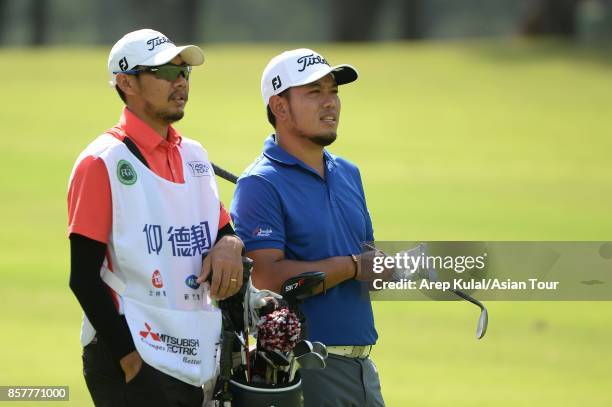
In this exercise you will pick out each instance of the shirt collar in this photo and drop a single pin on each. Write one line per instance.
(276, 153)
(143, 135)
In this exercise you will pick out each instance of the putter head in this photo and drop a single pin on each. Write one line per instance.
(303, 286)
(483, 322)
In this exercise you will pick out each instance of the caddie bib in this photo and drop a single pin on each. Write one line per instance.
(160, 231)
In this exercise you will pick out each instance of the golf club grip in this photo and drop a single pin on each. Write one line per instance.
(226, 175)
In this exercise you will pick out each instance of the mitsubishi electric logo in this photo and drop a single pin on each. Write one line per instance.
(148, 332)
(171, 344)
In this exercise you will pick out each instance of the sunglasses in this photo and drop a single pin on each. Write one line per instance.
(168, 72)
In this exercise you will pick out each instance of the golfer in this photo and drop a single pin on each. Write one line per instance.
(300, 208)
(143, 211)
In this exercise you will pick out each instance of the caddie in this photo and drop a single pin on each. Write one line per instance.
(146, 230)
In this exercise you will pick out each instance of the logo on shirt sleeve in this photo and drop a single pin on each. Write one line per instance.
(126, 173)
(199, 168)
(262, 231)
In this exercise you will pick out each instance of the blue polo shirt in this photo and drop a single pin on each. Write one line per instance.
(282, 203)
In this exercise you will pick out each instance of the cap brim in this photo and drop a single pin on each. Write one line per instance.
(191, 54)
(343, 74)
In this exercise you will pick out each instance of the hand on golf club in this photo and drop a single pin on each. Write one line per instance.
(365, 267)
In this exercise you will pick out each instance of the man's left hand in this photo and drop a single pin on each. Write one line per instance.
(225, 262)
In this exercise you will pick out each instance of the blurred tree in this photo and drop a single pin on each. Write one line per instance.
(354, 20)
(3, 18)
(411, 12)
(38, 14)
(178, 19)
(550, 17)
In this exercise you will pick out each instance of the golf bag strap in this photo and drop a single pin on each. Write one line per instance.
(134, 150)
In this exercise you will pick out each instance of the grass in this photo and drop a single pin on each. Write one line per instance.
(455, 141)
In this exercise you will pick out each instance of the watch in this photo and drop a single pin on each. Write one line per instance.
(356, 261)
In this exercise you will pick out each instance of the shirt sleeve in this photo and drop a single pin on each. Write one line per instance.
(86, 258)
(89, 200)
(257, 213)
(224, 217)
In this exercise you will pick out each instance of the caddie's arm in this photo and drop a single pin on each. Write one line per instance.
(225, 262)
(86, 258)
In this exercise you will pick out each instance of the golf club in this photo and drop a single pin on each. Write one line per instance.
(483, 320)
(302, 347)
(311, 360)
(319, 348)
(270, 367)
(226, 175)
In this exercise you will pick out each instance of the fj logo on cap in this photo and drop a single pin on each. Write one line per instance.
(123, 64)
(126, 173)
(276, 82)
(312, 59)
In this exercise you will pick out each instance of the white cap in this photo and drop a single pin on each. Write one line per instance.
(148, 48)
(299, 67)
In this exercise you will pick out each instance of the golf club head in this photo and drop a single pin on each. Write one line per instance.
(302, 347)
(483, 322)
(319, 348)
(302, 286)
(278, 357)
(264, 356)
(311, 360)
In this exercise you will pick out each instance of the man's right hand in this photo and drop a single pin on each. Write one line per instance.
(131, 365)
(365, 266)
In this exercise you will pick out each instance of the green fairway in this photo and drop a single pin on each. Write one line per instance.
(455, 141)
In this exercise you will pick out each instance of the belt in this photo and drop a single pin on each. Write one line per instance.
(360, 352)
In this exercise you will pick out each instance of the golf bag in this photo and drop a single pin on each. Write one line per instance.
(264, 377)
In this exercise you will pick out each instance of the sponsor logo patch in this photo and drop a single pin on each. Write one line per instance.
(126, 173)
(156, 279)
(262, 231)
(148, 332)
(172, 344)
(191, 282)
(199, 168)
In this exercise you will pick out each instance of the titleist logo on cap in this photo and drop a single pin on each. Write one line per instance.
(155, 41)
(311, 59)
